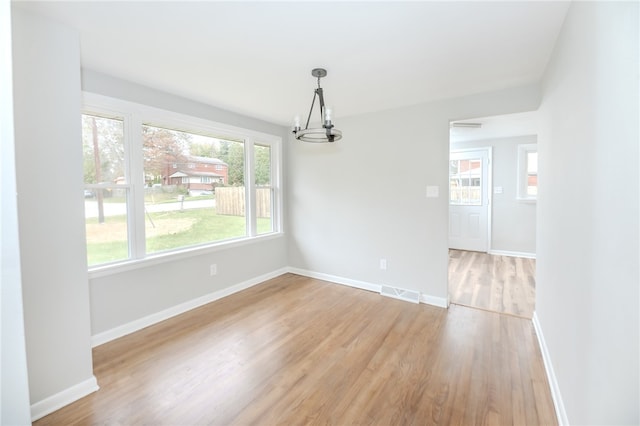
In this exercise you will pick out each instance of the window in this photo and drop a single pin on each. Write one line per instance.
(174, 204)
(106, 192)
(264, 191)
(527, 172)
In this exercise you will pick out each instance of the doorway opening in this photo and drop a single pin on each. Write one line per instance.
(492, 213)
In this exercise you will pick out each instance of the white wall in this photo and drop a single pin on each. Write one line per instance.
(122, 299)
(588, 232)
(127, 297)
(14, 381)
(513, 222)
(363, 198)
(46, 75)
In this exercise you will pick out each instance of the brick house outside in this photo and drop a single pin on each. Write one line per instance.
(198, 175)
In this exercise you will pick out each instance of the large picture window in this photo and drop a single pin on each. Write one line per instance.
(198, 183)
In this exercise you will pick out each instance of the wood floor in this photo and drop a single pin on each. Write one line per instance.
(296, 350)
(494, 283)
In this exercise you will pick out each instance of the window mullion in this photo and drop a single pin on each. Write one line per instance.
(250, 188)
(275, 188)
(137, 242)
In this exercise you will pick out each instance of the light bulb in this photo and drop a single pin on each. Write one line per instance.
(327, 115)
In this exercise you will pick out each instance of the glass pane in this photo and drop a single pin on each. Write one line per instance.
(532, 162)
(103, 150)
(106, 225)
(465, 182)
(264, 190)
(105, 206)
(194, 189)
(532, 173)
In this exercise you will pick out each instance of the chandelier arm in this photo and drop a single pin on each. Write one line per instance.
(311, 109)
(321, 96)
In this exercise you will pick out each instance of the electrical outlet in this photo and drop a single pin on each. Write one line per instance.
(213, 269)
(383, 264)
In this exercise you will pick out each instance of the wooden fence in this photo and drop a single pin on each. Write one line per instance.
(230, 201)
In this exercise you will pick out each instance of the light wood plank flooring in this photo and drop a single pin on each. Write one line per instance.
(296, 350)
(494, 283)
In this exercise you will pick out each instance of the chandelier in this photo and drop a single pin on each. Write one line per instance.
(327, 133)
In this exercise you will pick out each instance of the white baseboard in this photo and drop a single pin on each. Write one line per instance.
(513, 253)
(561, 413)
(335, 279)
(139, 324)
(133, 326)
(440, 302)
(66, 397)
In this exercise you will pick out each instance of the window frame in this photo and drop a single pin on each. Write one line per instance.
(523, 172)
(134, 116)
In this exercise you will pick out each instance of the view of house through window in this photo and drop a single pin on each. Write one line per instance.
(106, 191)
(193, 191)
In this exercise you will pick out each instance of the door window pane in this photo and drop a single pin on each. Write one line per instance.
(465, 182)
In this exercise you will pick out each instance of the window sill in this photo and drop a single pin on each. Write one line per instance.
(154, 259)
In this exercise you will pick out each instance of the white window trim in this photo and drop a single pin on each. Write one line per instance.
(134, 116)
(523, 174)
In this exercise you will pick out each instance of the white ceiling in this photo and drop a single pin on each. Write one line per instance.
(255, 58)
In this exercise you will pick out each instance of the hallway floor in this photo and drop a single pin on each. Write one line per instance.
(494, 283)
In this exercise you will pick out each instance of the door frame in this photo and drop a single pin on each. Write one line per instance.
(489, 191)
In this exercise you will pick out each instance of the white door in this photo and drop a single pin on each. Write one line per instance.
(469, 200)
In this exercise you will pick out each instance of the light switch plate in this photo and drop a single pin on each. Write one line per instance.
(433, 191)
(497, 190)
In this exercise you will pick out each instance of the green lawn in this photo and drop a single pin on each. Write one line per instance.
(107, 242)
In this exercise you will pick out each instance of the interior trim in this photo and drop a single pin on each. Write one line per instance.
(65, 397)
(561, 413)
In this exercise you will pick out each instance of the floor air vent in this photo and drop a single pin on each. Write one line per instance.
(400, 293)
